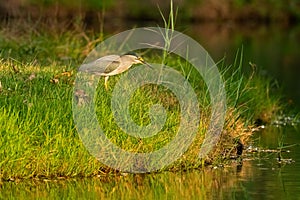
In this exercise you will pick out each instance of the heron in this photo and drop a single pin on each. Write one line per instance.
(111, 65)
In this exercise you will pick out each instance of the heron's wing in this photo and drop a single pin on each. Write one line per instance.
(102, 65)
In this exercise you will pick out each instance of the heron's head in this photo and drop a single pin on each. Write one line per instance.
(134, 58)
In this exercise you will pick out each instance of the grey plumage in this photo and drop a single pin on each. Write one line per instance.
(111, 65)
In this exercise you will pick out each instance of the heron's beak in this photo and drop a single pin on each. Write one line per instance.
(143, 61)
(147, 64)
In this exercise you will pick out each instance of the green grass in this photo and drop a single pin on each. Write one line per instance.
(38, 136)
(37, 131)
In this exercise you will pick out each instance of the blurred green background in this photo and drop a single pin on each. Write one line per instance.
(193, 10)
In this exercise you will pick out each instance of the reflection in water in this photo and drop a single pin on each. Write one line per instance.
(274, 49)
(279, 180)
(260, 176)
(209, 184)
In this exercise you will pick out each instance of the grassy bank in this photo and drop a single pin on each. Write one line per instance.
(38, 136)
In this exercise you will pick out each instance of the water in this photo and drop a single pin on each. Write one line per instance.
(275, 50)
(271, 178)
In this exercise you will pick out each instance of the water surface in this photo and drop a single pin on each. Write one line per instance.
(273, 48)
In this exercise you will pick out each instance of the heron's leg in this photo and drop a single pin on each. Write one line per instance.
(105, 82)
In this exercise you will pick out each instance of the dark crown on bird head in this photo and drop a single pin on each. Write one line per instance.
(131, 53)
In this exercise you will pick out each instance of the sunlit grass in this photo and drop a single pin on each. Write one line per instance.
(38, 136)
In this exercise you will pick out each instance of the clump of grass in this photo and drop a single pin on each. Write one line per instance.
(250, 95)
(38, 136)
(37, 127)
